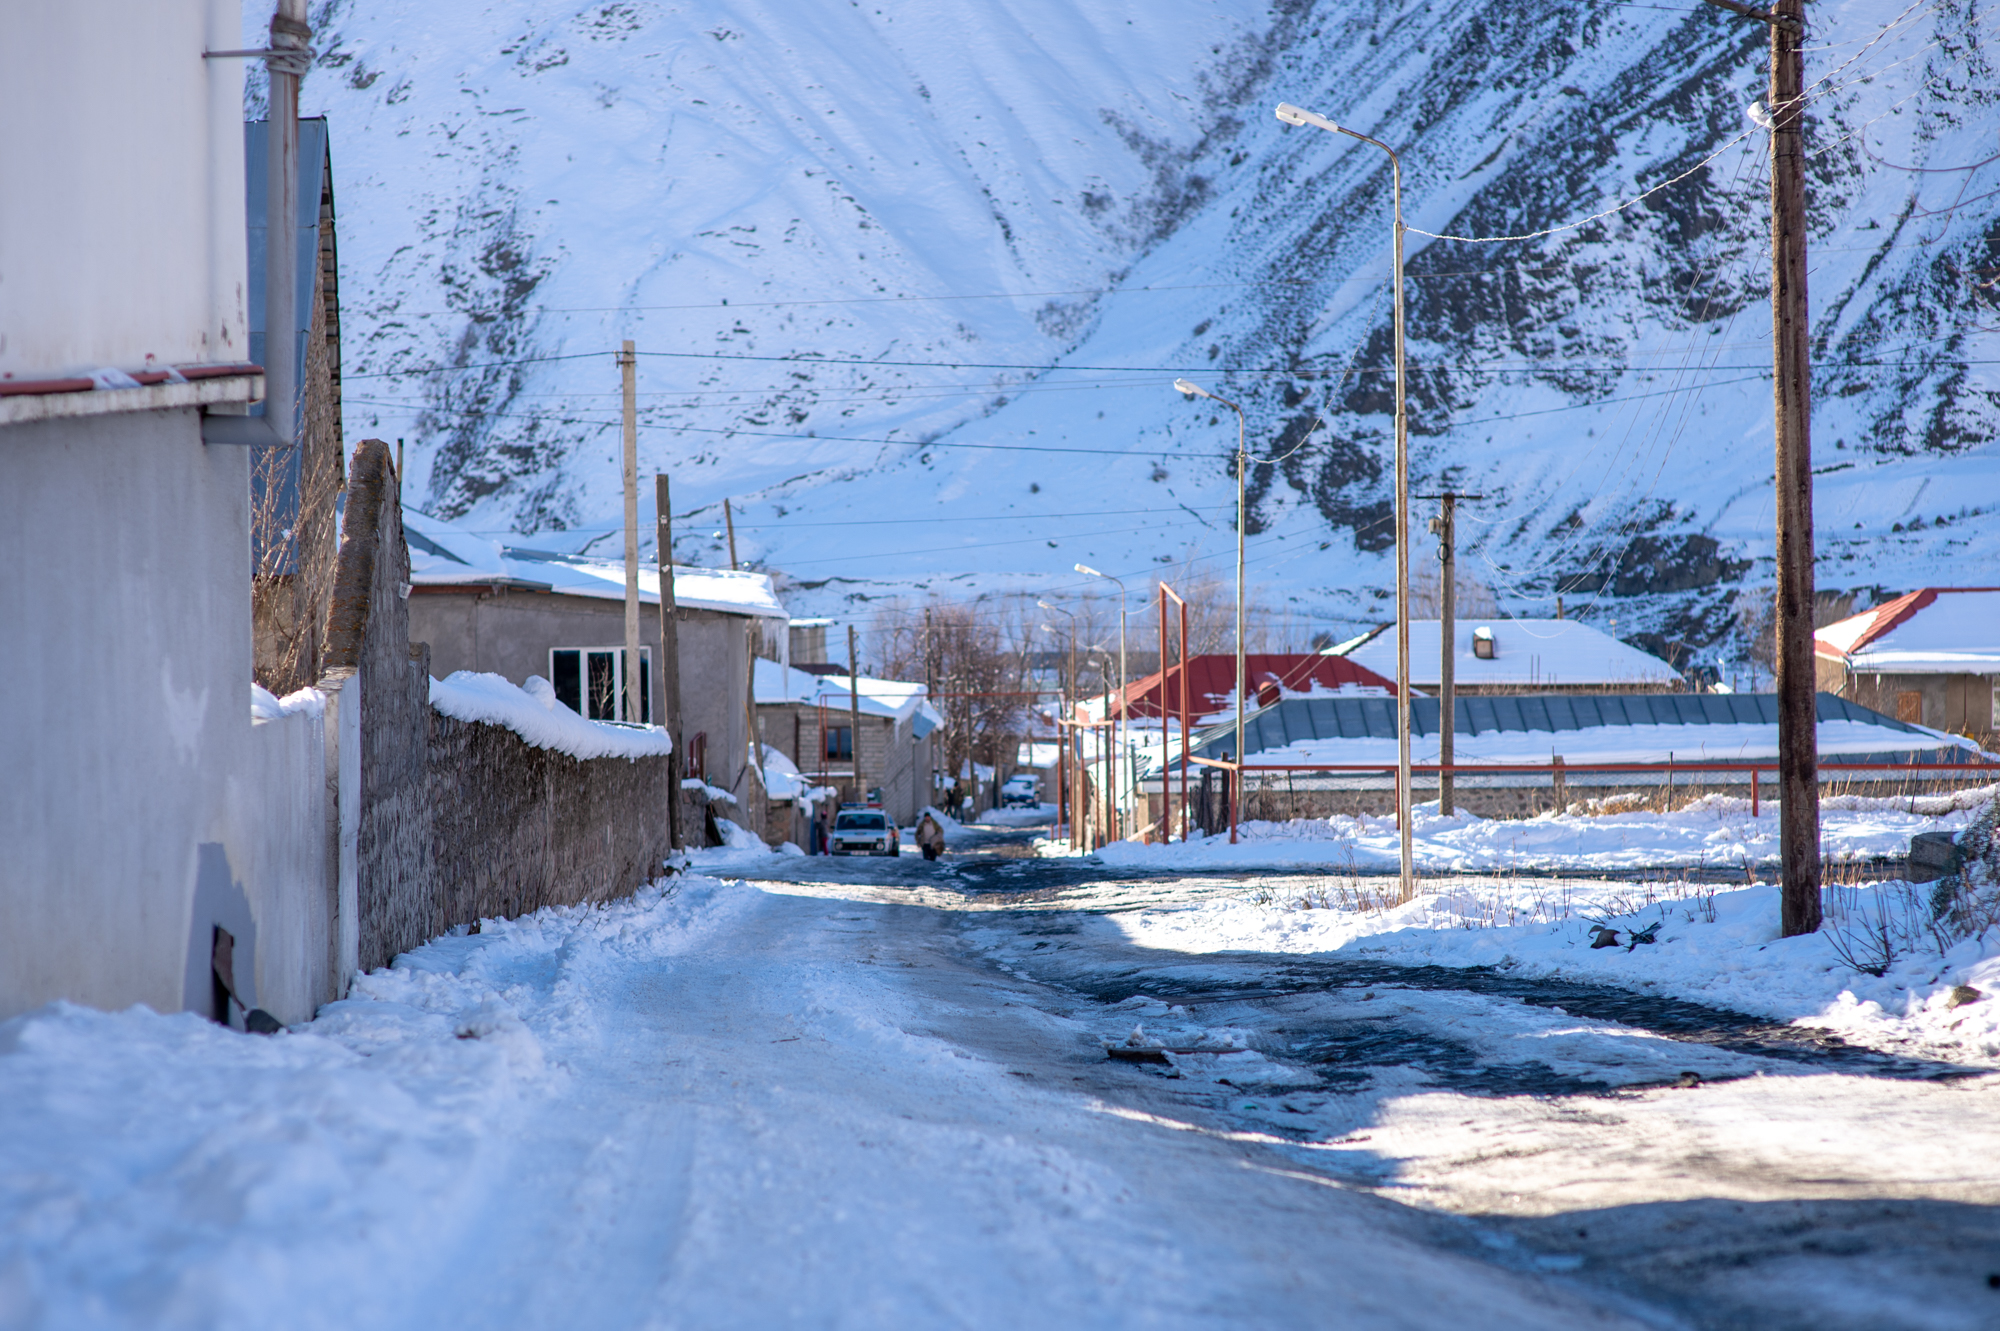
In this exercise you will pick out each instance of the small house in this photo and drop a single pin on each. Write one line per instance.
(517, 611)
(810, 719)
(1931, 658)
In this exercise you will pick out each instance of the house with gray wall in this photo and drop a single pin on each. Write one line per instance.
(811, 720)
(1931, 658)
(515, 611)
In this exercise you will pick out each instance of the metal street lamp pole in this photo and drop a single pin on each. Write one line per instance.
(1242, 467)
(1074, 696)
(1121, 742)
(1293, 115)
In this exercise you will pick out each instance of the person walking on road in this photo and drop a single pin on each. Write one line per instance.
(930, 836)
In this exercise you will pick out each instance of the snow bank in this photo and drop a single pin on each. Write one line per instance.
(268, 706)
(532, 712)
(714, 794)
(1017, 817)
(784, 781)
(1711, 832)
(167, 1172)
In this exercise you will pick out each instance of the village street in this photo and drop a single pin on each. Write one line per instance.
(869, 1093)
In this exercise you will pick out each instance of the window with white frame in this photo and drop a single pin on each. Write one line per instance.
(589, 681)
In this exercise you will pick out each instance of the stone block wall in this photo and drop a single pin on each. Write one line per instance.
(515, 828)
(368, 639)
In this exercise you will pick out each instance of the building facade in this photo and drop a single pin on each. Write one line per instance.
(1931, 658)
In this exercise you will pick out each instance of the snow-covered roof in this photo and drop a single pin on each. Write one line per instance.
(1538, 652)
(894, 698)
(1937, 630)
(443, 554)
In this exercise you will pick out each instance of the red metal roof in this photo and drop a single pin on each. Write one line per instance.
(1212, 679)
(1842, 639)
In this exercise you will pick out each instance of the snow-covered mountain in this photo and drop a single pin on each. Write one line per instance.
(910, 284)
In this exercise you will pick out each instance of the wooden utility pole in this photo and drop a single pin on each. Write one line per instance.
(1791, 348)
(1443, 526)
(729, 520)
(670, 656)
(634, 707)
(854, 714)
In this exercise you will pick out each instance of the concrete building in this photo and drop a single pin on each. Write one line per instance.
(1501, 656)
(147, 815)
(810, 719)
(516, 612)
(1931, 658)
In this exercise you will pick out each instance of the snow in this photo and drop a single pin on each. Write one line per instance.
(532, 712)
(446, 554)
(1016, 817)
(1713, 832)
(1120, 161)
(1540, 652)
(714, 794)
(898, 699)
(1742, 742)
(696, 1107)
(784, 781)
(1716, 945)
(268, 706)
(1957, 633)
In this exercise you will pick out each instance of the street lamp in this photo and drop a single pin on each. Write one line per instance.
(1069, 775)
(1242, 467)
(1293, 115)
(1119, 737)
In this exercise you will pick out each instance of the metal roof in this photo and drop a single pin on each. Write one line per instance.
(1296, 719)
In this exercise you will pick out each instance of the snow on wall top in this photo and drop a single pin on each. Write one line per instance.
(532, 712)
(1526, 651)
(1938, 630)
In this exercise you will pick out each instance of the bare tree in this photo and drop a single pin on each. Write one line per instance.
(976, 663)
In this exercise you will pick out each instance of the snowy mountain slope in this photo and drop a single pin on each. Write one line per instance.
(521, 182)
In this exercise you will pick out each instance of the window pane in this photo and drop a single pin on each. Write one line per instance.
(646, 686)
(603, 686)
(839, 742)
(566, 673)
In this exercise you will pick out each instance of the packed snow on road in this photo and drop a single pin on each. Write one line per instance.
(861, 1093)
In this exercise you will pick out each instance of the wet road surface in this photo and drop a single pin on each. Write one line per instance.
(1698, 1167)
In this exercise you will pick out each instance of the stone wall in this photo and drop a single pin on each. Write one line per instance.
(515, 828)
(368, 641)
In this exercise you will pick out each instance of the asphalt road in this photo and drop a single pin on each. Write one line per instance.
(1685, 1165)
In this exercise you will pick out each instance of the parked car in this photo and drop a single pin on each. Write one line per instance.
(863, 832)
(1023, 790)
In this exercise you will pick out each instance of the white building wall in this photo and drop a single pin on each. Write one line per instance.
(139, 807)
(121, 219)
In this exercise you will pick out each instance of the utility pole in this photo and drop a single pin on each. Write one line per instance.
(1444, 528)
(670, 655)
(729, 520)
(1791, 353)
(634, 707)
(854, 717)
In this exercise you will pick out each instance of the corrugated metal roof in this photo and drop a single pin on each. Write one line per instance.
(1297, 719)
